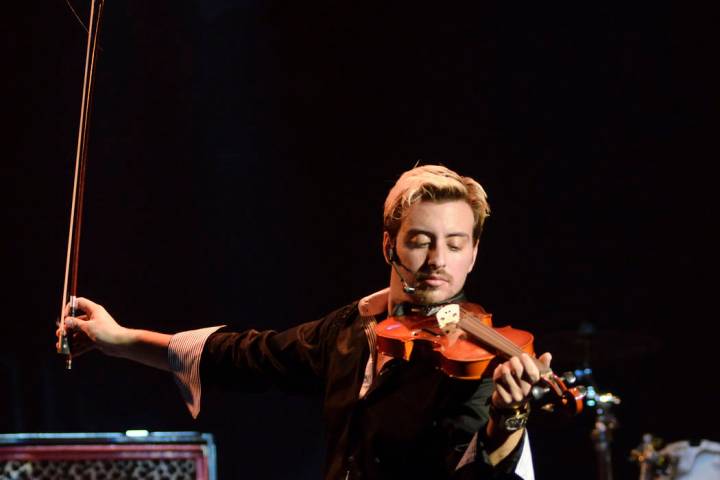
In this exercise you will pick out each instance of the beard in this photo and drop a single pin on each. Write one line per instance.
(428, 294)
(425, 296)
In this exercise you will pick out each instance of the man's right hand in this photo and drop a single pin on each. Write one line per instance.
(95, 328)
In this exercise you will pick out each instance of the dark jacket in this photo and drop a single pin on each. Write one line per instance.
(414, 422)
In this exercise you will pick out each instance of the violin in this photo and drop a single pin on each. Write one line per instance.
(463, 344)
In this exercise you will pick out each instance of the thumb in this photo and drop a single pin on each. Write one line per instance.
(74, 324)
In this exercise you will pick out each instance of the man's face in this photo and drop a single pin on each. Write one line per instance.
(435, 240)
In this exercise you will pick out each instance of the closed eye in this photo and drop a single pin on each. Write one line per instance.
(421, 240)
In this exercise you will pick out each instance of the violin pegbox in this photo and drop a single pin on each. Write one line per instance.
(448, 317)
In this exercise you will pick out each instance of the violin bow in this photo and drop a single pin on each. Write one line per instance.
(69, 295)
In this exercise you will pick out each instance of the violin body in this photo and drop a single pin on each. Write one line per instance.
(454, 352)
(463, 344)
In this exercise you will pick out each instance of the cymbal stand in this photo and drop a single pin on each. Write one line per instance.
(605, 420)
(605, 424)
(650, 460)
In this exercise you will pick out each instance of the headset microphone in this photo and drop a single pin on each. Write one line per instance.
(394, 261)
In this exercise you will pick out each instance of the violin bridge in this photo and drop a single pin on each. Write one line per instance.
(448, 317)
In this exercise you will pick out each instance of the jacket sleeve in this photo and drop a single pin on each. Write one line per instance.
(293, 360)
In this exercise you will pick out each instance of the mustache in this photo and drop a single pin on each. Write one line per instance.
(441, 274)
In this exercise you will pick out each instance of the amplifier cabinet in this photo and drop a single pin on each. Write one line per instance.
(108, 456)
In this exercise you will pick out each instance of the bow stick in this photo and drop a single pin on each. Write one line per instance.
(69, 296)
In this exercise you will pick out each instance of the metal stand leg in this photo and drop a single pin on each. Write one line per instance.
(602, 438)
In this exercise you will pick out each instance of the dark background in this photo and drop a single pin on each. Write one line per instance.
(240, 153)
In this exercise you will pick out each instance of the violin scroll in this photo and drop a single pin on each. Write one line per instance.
(564, 399)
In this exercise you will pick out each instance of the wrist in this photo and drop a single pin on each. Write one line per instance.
(510, 418)
(145, 346)
(124, 342)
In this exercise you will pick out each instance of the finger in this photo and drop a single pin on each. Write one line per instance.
(75, 324)
(505, 397)
(79, 343)
(81, 317)
(516, 366)
(499, 381)
(521, 375)
(546, 358)
(87, 306)
(70, 323)
(512, 385)
(74, 336)
(532, 372)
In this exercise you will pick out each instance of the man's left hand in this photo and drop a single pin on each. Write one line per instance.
(513, 380)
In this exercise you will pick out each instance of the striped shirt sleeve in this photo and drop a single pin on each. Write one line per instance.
(184, 357)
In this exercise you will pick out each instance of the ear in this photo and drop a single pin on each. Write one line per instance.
(387, 247)
(474, 255)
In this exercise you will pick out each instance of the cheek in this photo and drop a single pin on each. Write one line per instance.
(462, 267)
(413, 259)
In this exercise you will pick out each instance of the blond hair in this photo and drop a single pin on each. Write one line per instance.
(433, 183)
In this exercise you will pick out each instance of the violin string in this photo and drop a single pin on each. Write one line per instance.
(495, 339)
(492, 335)
(499, 341)
(492, 338)
(489, 334)
(472, 323)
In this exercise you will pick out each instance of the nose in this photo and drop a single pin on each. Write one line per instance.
(436, 256)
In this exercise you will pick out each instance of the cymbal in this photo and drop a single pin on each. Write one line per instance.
(589, 347)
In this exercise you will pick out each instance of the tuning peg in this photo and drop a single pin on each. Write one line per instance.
(569, 378)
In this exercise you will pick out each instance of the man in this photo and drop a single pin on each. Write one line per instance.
(385, 418)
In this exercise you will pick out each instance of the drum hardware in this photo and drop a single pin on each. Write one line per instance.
(646, 455)
(681, 460)
(605, 420)
(588, 345)
(602, 434)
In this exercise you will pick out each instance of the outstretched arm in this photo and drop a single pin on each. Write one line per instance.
(97, 329)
